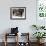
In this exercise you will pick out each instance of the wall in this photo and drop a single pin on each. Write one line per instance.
(24, 25)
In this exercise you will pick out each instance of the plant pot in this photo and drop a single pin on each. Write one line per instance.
(40, 41)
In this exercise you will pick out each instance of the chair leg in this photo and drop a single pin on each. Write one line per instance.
(5, 43)
(17, 39)
(5, 40)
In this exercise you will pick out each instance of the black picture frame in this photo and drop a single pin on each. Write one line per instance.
(18, 13)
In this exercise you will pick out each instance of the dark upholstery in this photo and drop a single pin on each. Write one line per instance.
(14, 30)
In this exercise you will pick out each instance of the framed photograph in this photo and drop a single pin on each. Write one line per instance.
(18, 13)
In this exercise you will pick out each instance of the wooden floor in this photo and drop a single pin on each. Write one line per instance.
(13, 44)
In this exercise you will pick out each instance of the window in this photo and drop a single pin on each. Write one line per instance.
(41, 8)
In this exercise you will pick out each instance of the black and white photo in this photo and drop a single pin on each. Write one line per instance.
(17, 13)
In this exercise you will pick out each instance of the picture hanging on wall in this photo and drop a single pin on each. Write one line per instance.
(18, 13)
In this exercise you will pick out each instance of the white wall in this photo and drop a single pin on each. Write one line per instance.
(24, 25)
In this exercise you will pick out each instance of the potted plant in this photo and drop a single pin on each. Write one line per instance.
(39, 35)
